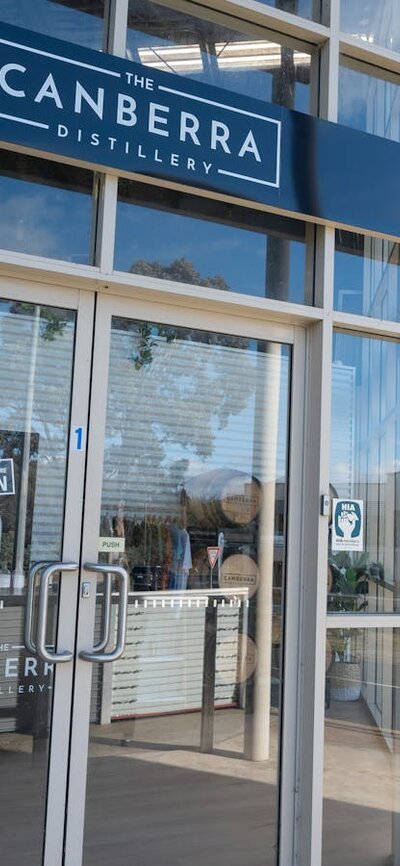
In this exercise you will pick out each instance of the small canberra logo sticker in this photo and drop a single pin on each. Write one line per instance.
(347, 524)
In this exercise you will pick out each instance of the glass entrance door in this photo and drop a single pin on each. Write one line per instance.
(38, 530)
(186, 497)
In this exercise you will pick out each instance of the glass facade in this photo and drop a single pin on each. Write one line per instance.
(251, 64)
(36, 359)
(173, 236)
(367, 276)
(364, 461)
(305, 8)
(80, 22)
(216, 448)
(362, 722)
(369, 99)
(375, 22)
(204, 461)
(37, 198)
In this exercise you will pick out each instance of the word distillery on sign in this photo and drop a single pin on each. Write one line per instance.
(76, 102)
(62, 99)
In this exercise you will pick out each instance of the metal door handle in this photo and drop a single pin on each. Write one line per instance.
(96, 655)
(106, 571)
(30, 594)
(101, 645)
(42, 651)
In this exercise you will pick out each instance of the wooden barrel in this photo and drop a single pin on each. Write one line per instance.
(239, 571)
(223, 497)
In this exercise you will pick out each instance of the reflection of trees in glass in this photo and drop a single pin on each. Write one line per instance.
(181, 271)
(183, 391)
(169, 398)
(52, 320)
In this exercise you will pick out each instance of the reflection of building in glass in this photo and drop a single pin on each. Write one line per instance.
(371, 21)
(343, 432)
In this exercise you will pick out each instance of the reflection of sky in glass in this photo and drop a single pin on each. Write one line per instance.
(238, 255)
(305, 8)
(369, 103)
(55, 19)
(236, 444)
(45, 220)
(373, 21)
(204, 407)
(349, 280)
(369, 284)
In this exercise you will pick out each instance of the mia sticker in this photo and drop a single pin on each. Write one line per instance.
(347, 524)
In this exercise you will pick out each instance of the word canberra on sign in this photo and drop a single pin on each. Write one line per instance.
(76, 103)
(98, 108)
(347, 524)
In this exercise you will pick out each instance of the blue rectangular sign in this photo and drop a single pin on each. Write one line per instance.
(77, 103)
(100, 109)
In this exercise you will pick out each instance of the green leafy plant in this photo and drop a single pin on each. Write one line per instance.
(349, 590)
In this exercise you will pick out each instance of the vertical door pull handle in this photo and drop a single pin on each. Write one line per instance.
(97, 654)
(101, 645)
(41, 649)
(30, 594)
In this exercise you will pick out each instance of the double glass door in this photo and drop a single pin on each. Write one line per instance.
(142, 583)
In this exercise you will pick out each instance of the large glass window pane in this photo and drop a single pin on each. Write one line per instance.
(367, 276)
(186, 725)
(79, 21)
(361, 818)
(369, 99)
(37, 201)
(174, 236)
(255, 65)
(374, 21)
(305, 8)
(36, 358)
(363, 569)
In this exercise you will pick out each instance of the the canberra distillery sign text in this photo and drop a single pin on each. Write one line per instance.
(75, 102)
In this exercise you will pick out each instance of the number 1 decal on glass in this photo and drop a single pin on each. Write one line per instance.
(78, 439)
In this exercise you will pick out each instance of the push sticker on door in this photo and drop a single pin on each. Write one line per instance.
(347, 524)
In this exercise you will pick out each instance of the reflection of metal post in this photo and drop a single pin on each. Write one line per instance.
(396, 683)
(209, 659)
(396, 747)
(266, 411)
(24, 478)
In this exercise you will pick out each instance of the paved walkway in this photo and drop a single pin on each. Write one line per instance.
(155, 800)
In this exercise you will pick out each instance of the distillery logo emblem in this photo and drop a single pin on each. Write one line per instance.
(347, 524)
(76, 102)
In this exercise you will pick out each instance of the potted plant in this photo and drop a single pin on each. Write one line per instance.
(345, 669)
(348, 582)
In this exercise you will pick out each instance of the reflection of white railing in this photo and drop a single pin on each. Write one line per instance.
(185, 650)
(177, 599)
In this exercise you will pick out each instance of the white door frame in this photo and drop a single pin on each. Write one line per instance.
(109, 305)
(83, 303)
